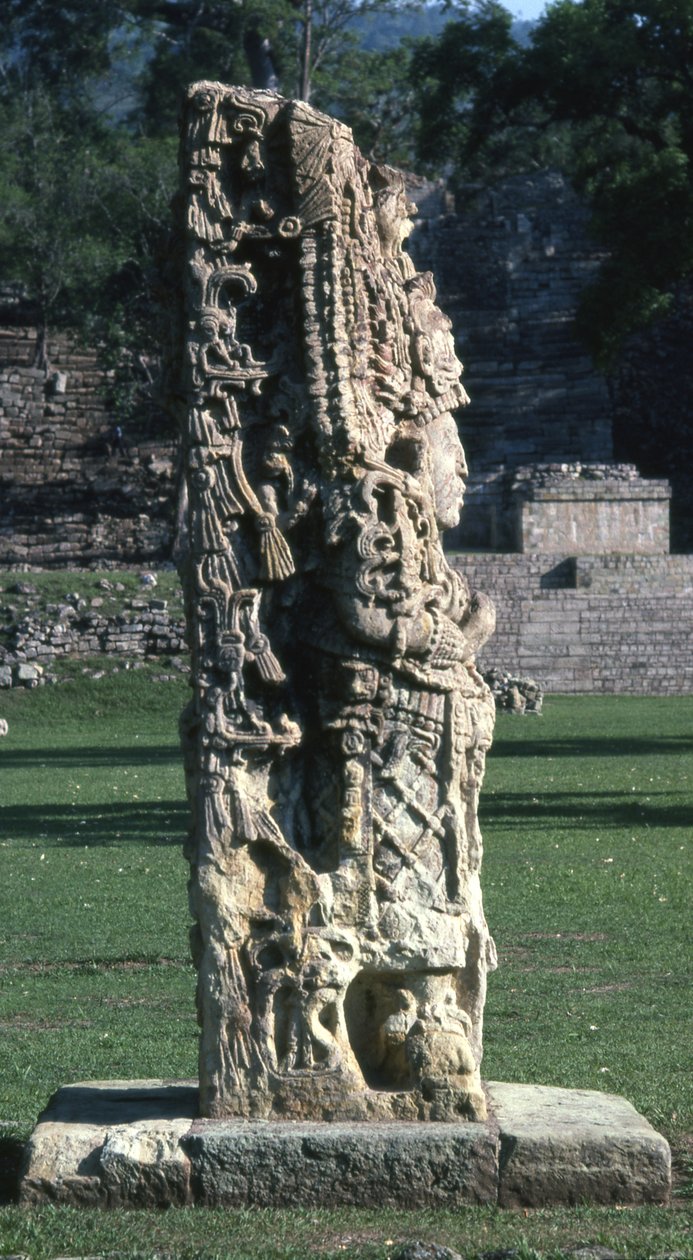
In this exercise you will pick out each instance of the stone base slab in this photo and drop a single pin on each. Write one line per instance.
(141, 1144)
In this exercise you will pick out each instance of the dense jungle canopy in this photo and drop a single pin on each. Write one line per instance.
(89, 92)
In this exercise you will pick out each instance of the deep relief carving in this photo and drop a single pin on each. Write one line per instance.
(336, 739)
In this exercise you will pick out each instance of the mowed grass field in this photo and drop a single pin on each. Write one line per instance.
(587, 815)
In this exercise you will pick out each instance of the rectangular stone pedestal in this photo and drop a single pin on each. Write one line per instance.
(140, 1144)
(571, 1146)
(579, 514)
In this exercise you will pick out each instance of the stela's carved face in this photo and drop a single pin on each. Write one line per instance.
(393, 216)
(448, 469)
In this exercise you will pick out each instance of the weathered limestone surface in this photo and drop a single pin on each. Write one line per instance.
(380, 1164)
(576, 1146)
(588, 510)
(114, 1143)
(336, 741)
(138, 1144)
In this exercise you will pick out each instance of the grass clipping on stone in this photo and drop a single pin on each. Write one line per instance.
(586, 815)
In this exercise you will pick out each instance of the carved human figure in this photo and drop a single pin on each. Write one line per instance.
(335, 744)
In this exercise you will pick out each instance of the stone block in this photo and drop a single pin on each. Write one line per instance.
(145, 1165)
(138, 1144)
(106, 1143)
(61, 1164)
(571, 1146)
(575, 515)
(28, 675)
(266, 1163)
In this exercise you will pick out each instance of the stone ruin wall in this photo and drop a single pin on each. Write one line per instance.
(583, 625)
(143, 629)
(509, 270)
(63, 499)
(591, 624)
(511, 263)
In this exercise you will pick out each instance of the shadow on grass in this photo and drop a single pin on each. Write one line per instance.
(604, 809)
(73, 758)
(152, 822)
(593, 746)
(166, 822)
(11, 1152)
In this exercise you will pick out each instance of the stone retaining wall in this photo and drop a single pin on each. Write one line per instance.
(594, 624)
(590, 624)
(65, 498)
(37, 643)
(149, 631)
(510, 265)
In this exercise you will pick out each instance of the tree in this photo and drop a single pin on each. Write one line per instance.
(604, 91)
(375, 96)
(302, 48)
(60, 45)
(127, 313)
(619, 75)
(89, 96)
(455, 78)
(51, 238)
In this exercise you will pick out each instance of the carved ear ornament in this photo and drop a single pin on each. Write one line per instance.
(382, 474)
(249, 125)
(421, 408)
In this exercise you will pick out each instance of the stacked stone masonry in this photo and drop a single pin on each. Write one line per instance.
(145, 633)
(576, 624)
(590, 624)
(590, 511)
(511, 263)
(652, 400)
(66, 497)
(34, 643)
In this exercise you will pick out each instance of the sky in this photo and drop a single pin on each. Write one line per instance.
(528, 9)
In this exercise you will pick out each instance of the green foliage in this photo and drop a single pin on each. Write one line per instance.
(89, 99)
(127, 312)
(618, 75)
(604, 91)
(64, 45)
(52, 238)
(455, 78)
(373, 94)
(313, 46)
(187, 42)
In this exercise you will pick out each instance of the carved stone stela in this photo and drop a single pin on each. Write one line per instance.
(336, 740)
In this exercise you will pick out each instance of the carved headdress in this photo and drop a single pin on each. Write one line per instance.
(340, 938)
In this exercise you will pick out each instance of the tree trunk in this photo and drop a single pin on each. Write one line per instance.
(40, 359)
(260, 58)
(306, 51)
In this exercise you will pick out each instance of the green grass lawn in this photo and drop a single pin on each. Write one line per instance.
(586, 815)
